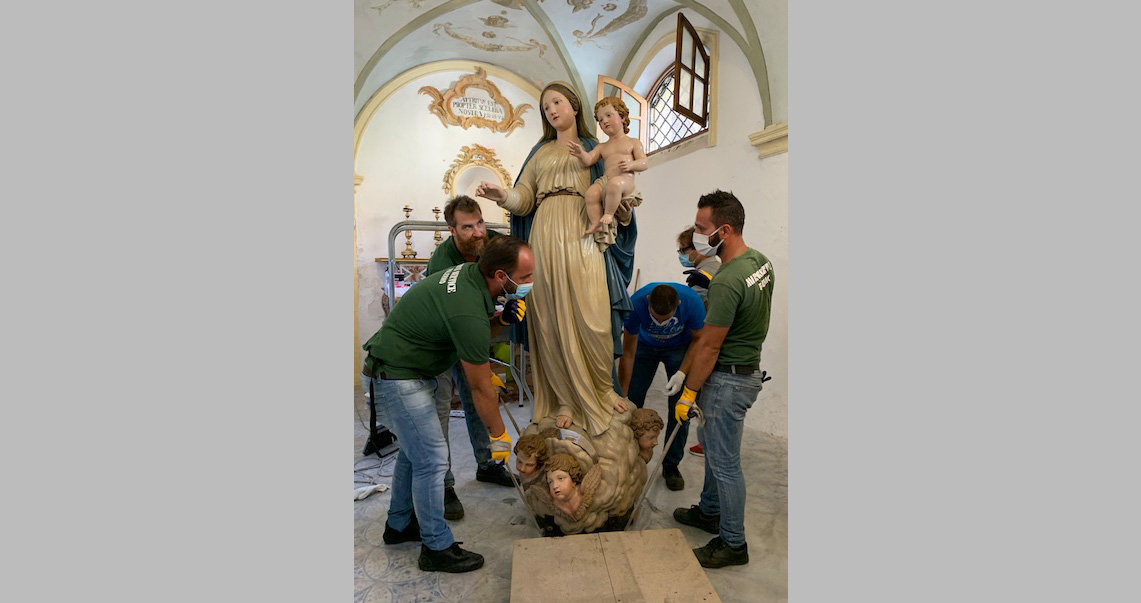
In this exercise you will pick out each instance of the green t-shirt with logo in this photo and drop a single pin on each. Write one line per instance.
(439, 321)
(448, 255)
(740, 297)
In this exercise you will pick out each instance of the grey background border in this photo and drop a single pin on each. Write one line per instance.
(179, 313)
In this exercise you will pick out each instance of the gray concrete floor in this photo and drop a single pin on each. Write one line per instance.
(495, 518)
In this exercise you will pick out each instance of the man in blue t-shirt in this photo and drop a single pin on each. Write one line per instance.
(666, 317)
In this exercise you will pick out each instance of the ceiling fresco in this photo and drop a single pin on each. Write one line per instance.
(541, 40)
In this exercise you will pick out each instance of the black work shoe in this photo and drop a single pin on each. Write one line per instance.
(411, 533)
(674, 480)
(494, 473)
(694, 517)
(453, 509)
(719, 554)
(453, 560)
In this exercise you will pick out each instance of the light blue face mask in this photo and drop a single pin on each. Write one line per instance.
(684, 259)
(521, 291)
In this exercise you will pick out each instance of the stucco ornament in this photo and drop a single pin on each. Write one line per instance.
(495, 21)
(472, 156)
(636, 10)
(380, 7)
(522, 46)
(495, 114)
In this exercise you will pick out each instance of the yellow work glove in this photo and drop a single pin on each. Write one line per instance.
(501, 448)
(681, 409)
(497, 382)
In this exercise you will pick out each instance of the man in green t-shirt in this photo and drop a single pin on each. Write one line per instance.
(468, 239)
(447, 317)
(468, 235)
(723, 363)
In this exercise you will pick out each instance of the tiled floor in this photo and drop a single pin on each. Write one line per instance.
(495, 518)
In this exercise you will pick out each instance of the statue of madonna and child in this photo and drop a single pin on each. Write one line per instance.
(582, 459)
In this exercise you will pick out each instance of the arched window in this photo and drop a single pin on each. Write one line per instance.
(668, 127)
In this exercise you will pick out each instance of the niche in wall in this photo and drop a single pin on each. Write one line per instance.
(474, 164)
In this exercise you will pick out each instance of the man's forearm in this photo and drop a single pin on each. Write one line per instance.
(487, 407)
(625, 370)
(700, 365)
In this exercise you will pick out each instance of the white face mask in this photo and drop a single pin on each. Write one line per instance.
(701, 243)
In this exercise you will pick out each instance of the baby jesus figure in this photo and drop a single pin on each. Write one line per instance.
(622, 156)
(646, 424)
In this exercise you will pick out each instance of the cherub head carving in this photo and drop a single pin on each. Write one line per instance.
(531, 454)
(564, 475)
(646, 424)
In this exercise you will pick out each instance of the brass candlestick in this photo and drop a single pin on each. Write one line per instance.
(408, 252)
(437, 236)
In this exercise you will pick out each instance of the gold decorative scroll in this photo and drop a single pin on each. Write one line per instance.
(471, 156)
(441, 105)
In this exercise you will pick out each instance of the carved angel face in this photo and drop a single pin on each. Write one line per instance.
(648, 440)
(561, 485)
(526, 464)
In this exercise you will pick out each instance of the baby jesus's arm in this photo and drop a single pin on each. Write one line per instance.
(587, 158)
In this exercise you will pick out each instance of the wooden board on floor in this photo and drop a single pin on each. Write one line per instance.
(649, 566)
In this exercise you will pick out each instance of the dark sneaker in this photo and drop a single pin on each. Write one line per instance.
(453, 509)
(719, 554)
(674, 480)
(494, 473)
(453, 560)
(694, 517)
(408, 534)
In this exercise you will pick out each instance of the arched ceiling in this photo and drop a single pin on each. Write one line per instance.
(541, 40)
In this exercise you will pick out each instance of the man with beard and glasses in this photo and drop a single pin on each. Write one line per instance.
(469, 237)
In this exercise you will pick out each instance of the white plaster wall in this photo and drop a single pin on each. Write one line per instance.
(403, 155)
(671, 191)
(771, 19)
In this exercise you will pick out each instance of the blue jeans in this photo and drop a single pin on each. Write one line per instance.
(646, 360)
(476, 431)
(724, 399)
(409, 410)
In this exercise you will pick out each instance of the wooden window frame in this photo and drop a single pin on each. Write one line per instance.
(684, 28)
(657, 83)
(643, 119)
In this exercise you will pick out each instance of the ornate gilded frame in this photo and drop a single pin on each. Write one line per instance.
(474, 155)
